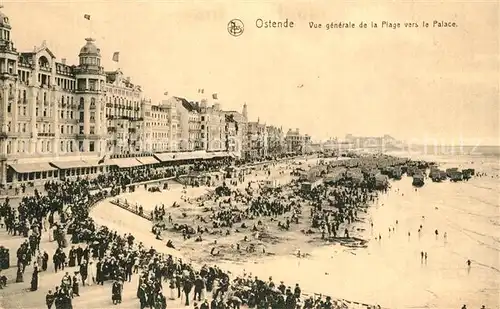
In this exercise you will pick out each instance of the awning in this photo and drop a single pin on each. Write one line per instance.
(220, 154)
(125, 162)
(147, 160)
(32, 167)
(164, 157)
(77, 164)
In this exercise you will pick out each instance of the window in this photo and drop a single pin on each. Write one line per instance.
(62, 129)
(81, 116)
(81, 129)
(91, 146)
(62, 145)
(92, 130)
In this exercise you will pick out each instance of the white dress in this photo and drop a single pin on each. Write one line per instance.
(91, 272)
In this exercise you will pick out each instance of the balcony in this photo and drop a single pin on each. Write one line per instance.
(46, 69)
(81, 136)
(46, 134)
(88, 69)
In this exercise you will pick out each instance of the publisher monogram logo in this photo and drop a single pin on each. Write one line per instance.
(235, 27)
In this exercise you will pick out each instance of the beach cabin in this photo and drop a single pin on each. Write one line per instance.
(418, 180)
(456, 176)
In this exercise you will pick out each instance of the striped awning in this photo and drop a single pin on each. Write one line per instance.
(32, 167)
(147, 160)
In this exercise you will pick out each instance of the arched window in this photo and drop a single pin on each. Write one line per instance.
(43, 62)
(48, 146)
(62, 145)
(82, 100)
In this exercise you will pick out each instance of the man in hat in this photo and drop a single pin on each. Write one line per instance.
(76, 285)
(142, 295)
(199, 285)
(84, 271)
(187, 286)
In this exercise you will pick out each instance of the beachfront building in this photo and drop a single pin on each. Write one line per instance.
(235, 124)
(245, 142)
(173, 117)
(61, 120)
(294, 141)
(49, 109)
(257, 137)
(123, 113)
(275, 141)
(212, 127)
(156, 129)
(189, 124)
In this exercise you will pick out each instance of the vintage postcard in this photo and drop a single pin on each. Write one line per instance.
(249, 154)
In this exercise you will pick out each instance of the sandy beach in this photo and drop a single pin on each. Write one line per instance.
(388, 272)
(467, 212)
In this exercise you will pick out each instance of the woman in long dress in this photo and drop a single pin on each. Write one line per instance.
(92, 271)
(34, 278)
(116, 292)
(172, 288)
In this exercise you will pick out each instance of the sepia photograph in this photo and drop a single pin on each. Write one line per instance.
(231, 154)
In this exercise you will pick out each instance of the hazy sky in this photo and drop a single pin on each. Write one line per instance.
(415, 84)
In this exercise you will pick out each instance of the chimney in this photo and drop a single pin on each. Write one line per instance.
(63, 60)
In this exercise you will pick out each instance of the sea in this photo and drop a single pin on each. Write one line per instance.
(457, 221)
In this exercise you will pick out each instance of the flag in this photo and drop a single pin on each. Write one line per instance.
(86, 16)
(214, 96)
(116, 56)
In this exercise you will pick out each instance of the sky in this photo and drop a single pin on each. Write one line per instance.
(418, 84)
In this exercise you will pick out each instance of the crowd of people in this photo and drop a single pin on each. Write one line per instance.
(99, 254)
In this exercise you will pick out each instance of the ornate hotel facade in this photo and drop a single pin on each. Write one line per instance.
(59, 120)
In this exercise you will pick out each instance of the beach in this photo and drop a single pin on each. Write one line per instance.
(390, 272)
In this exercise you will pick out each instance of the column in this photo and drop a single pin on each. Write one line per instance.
(5, 101)
(54, 104)
(14, 109)
(98, 125)
(32, 93)
(86, 122)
